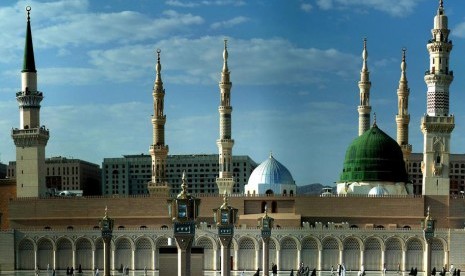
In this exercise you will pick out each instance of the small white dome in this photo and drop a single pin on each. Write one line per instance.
(377, 191)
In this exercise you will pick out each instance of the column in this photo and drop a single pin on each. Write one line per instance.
(383, 259)
(404, 260)
(299, 257)
(106, 256)
(320, 257)
(94, 264)
(278, 259)
(153, 259)
(74, 260)
(266, 256)
(225, 255)
(257, 258)
(340, 256)
(184, 244)
(236, 258)
(133, 262)
(362, 258)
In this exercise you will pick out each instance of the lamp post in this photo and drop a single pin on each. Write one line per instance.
(184, 210)
(266, 224)
(428, 233)
(106, 225)
(225, 217)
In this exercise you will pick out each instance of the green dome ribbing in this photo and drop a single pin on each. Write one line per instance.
(374, 156)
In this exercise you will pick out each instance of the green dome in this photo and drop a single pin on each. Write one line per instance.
(374, 156)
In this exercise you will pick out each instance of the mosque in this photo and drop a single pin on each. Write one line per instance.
(374, 220)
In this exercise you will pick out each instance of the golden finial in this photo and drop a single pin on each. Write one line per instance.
(428, 217)
(441, 3)
(374, 119)
(106, 211)
(28, 9)
(225, 201)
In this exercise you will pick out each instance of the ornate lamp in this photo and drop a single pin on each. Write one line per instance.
(106, 226)
(225, 218)
(266, 224)
(428, 233)
(184, 210)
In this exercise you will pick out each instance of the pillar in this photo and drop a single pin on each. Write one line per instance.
(278, 258)
(404, 260)
(319, 262)
(236, 259)
(184, 244)
(225, 255)
(266, 256)
(106, 256)
(383, 259)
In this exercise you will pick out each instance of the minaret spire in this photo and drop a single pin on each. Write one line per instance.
(31, 137)
(437, 124)
(364, 85)
(403, 117)
(225, 181)
(158, 150)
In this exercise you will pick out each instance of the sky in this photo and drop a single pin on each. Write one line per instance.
(295, 67)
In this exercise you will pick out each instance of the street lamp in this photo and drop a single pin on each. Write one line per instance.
(106, 226)
(428, 233)
(266, 224)
(225, 217)
(184, 210)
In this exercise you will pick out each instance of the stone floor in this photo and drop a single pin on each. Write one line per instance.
(207, 273)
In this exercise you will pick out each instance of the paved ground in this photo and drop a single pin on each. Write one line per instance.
(207, 273)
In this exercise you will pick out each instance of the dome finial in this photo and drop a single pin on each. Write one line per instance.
(28, 9)
(374, 119)
(271, 154)
(441, 3)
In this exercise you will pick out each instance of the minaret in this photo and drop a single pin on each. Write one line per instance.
(437, 124)
(225, 181)
(158, 150)
(403, 117)
(30, 138)
(364, 85)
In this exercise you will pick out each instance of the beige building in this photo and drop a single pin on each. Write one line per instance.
(62, 173)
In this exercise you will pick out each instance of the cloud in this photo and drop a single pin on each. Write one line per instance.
(229, 23)
(401, 8)
(254, 61)
(459, 30)
(192, 4)
(306, 7)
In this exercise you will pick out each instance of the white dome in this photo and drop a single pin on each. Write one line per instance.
(377, 191)
(271, 175)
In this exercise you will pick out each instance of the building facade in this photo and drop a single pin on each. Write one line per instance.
(63, 173)
(128, 175)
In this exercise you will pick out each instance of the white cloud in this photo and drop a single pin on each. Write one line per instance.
(192, 4)
(229, 23)
(459, 30)
(399, 9)
(306, 7)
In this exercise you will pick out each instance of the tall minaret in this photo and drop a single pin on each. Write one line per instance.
(364, 85)
(437, 124)
(225, 181)
(30, 138)
(403, 117)
(158, 150)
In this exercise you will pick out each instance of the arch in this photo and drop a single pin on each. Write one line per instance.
(246, 253)
(64, 253)
(123, 252)
(143, 253)
(310, 251)
(159, 242)
(414, 254)
(330, 247)
(274, 206)
(393, 253)
(269, 192)
(26, 249)
(84, 253)
(288, 252)
(209, 251)
(351, 253)
(45, 249)
(99, 252)
(437, 252)
(372, 254)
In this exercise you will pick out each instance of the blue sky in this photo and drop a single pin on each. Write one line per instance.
(294, 66)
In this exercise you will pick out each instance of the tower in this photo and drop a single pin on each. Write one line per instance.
(225, 181)
(403, 117)
(30, 138)
(158, 150)
(437, 124)
(364, 85)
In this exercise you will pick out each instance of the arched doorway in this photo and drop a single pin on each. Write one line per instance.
(393, 255)
(64, 255)
(143, 254)
(246, 254)
(414, 254)
(44, 253)
(84, 254)
(26, 255)
(351, 254)
(310, 252)
(208, 252)
(288, 254)
(330, 253)
(372, 255)
(123, 253)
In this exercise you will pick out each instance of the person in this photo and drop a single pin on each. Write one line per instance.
(415, 271)
(292, 272)
(145, 270)
(398, 268)
(314, 272)
(53, 272)
(433, 272)
(343, 270)
(96, 272)
(257, 273)
(451, 270)
(411, 271)
(67, 270)
(362, 270)
(274, 269)
(339, 269)
(384, 269)
(332, 270)
(243, 273)
(458, 272)
(80, 269)
(443, 271)
(37, 270)
(71, 271)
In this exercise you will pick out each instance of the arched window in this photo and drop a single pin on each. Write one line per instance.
(269, 192)
(284, 192)
(274, 207)
(263, 206)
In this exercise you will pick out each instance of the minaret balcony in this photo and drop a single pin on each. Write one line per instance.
(30, 131)
(442, 124)
(159, 148)
(445, 72)
(30, 137)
